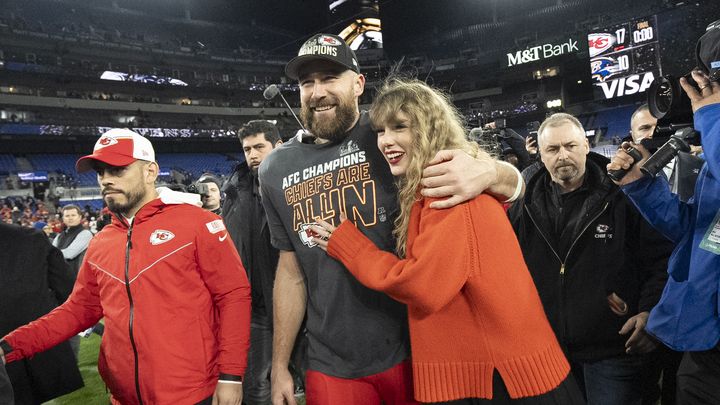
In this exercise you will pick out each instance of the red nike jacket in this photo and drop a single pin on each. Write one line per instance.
(176, 303)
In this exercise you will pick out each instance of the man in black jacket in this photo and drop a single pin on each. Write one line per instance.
(34, 279)
(598, 266)
(246, 222)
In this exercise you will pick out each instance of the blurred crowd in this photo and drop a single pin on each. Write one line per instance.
(29, 212)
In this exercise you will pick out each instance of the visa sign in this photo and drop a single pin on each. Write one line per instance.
(541, 52)
(626, 86)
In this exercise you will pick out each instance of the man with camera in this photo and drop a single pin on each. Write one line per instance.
(681, 171)
(686, 318)
(503, 142)
(208, 186)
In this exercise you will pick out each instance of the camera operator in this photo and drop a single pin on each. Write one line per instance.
(681, 171)
(686, 318)
(208, 186)
(510, 145)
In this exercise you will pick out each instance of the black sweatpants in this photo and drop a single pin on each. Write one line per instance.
(698, 378)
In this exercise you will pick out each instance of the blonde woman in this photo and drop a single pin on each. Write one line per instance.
(477, 327)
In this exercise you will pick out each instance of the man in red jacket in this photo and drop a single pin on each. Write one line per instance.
(168, 281)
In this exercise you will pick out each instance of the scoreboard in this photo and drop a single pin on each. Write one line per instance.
(624, 58)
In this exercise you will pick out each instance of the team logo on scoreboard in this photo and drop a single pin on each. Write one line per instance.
(603, 68)
(600, 42)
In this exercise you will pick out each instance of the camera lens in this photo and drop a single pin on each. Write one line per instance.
(664, 97)
(668, 102)
(661, 96)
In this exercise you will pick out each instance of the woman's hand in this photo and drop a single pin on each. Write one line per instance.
(323, 231)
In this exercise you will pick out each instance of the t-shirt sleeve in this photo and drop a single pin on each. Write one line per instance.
(279, 237)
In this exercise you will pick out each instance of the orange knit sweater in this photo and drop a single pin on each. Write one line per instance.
(472, 305)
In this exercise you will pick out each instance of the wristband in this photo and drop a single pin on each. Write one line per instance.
(518, 187)
(230, 379)
(6, 348)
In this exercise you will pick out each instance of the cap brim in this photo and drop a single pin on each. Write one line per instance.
(84, 164)
(292, 69)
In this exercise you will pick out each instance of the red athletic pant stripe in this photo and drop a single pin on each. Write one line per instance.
(391, 387)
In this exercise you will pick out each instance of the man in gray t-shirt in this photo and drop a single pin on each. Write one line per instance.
(357, 337)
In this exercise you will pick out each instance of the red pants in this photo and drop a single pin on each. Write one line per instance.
(391, 387)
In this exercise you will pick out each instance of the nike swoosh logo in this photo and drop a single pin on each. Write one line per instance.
(222, 238)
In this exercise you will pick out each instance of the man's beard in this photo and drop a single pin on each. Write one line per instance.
(568, 174)
(133, 197)
(331, 129)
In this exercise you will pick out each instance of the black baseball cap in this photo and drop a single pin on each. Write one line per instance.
(324, 47)
(708, 51)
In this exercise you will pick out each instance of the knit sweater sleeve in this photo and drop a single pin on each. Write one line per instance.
(436, 267)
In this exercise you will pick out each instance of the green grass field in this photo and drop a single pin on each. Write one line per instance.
(93, 393)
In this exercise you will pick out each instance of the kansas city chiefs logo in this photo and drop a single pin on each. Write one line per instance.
(325, 40)
(306, 234)
(599, 43)
(105, 141)
(601, 228)
(160, 236)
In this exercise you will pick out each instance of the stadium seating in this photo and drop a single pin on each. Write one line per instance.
(194, 164)
(615, 120)
(7, 164)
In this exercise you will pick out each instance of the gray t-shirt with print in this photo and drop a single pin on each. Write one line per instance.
(352, 331)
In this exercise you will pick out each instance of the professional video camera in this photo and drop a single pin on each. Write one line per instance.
(490, 136)
(668, 102)
(502, 142)
(199, 188)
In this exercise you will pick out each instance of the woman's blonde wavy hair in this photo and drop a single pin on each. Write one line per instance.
(436, 125)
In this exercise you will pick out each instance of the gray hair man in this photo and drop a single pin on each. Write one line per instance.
(598, 266)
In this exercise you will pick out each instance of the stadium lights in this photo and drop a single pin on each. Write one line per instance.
(554, 103)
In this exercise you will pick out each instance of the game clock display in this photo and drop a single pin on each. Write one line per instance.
(624, 58)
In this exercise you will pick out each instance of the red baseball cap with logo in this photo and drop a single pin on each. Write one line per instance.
(118, 147)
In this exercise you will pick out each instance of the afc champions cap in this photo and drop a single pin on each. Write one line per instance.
(324, 47)
(708, 51)
(118, 147)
